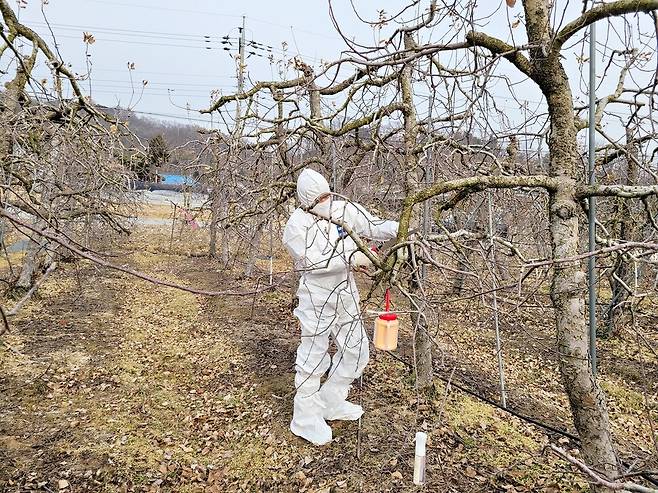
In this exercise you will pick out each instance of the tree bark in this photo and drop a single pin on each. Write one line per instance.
(463, 259)
(569, 285)
(29, 268)
(214, 213)
(254, 248)
(422, 340)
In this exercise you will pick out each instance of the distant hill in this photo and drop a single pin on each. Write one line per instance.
(146, 128)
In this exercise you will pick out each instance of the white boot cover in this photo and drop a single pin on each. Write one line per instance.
(307, 421)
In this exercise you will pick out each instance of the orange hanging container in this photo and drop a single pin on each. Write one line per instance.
(386, 328)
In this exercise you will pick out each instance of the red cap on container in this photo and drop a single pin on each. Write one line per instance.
(388, 316)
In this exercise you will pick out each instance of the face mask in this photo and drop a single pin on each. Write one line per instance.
(323, 208)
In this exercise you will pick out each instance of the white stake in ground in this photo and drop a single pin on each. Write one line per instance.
(420, 458)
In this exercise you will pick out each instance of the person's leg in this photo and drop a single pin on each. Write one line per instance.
(312, 362)
(351, 358)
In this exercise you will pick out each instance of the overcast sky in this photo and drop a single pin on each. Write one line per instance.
(180, 49)
(177, 46)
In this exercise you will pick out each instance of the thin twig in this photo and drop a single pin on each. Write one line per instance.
(596, 478)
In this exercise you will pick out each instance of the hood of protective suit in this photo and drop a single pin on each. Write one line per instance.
(310, 185)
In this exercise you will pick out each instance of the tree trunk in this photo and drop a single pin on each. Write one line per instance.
(226, 243)
(214, 217)
(459, 278)
(422, 340)
(422, 344)
(29, 268)
(253, 249)
(568, 290)
(37, 251)
(569, 284)
(463, 264)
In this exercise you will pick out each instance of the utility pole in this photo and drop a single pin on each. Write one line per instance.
(241, 45)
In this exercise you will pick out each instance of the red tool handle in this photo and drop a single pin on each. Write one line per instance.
(387, 299)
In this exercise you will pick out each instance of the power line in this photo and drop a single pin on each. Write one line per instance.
(169, 9)
(171, 116)
(127, 32)
(137, 93)
(202, 45)
(139, 72)
(94, 80)
(226, 40)
(206, 40)
(150, 113)
(168, 115)
(200, 12)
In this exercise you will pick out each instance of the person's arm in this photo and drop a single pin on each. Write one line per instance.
(365, 224)
(315, 253)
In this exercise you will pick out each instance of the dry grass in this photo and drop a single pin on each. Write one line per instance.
(118, 385)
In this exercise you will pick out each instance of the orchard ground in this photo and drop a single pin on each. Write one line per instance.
(109, 383)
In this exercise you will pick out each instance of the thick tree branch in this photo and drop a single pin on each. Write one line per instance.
(623, 191)
(474, 184)
(359, 122)
(500, 48)
(477, 183)
(422, 23)
(620, 7)
(272, 86)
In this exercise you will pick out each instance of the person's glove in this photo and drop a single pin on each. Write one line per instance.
(360, 259)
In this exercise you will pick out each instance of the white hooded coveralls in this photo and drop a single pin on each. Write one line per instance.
(328, 305)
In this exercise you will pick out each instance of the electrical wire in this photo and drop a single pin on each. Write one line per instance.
(207, 41)
(128, 32)
(200, 12)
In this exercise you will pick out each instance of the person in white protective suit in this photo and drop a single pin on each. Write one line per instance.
(328, 304)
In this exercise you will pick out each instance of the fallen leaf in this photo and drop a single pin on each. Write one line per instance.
(396, 475)
(215, 475)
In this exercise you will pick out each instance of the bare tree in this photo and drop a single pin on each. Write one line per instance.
(61, 158)
(380, 100)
